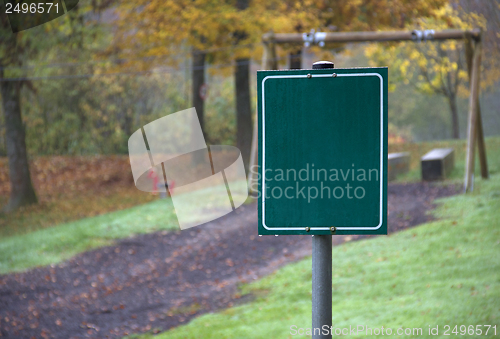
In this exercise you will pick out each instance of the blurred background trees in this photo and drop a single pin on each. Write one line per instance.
(18, 51)
(432, 67)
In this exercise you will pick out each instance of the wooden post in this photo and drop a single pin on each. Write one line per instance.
(270, 57)
(269, 61)
(472, 123)
(480, 134)
(253, 166)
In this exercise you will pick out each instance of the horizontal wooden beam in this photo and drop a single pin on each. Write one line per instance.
(370, 36)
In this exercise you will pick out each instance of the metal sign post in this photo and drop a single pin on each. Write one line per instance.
(321, 286)
(323, 163)
(322, 271)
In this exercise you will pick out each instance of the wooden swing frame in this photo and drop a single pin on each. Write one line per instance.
(473, 50)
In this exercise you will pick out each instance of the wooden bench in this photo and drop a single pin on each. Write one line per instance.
(397, 163)
(437, 164)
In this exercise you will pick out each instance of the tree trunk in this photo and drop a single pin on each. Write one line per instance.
(242, 90)
(243, 109)
(198, 82)
(454, 117)
(21, 187)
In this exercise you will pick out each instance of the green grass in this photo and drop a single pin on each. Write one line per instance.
(64, 209)
(445, 272)
(58, 243)
(55, 244)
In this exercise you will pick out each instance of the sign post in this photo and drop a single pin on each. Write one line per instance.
(321, 286)
(323, 162)
(322, 270)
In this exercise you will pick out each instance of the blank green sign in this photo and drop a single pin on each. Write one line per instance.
(323, 151)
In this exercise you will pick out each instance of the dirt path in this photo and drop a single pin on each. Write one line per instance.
(157, 281)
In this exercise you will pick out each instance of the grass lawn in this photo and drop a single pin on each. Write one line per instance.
(58, 243)
(70, 188)
(65, 209)
(55, 244)
(442, 273)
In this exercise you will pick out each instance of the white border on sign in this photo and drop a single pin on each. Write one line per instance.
(340, 228)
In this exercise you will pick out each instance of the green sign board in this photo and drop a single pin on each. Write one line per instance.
(322, 151)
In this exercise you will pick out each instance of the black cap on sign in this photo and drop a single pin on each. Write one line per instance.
(323, 65)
